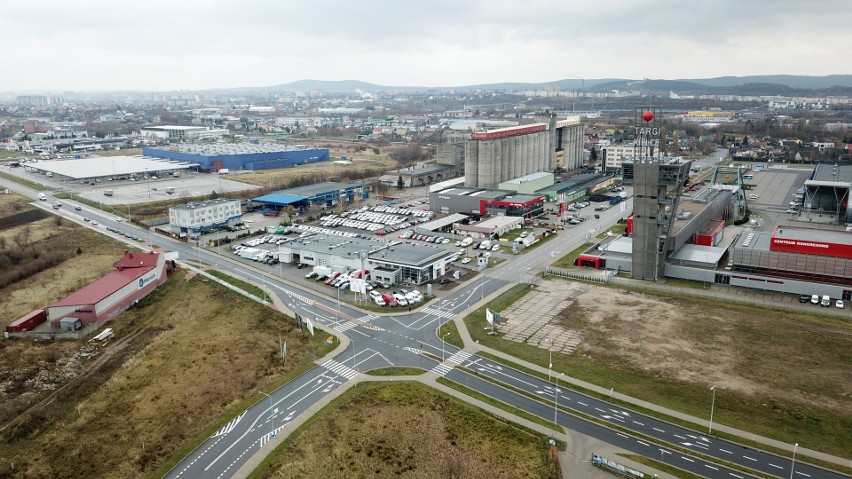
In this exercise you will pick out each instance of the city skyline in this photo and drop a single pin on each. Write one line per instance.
(161, 46)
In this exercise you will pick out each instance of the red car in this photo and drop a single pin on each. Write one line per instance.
(332, 277)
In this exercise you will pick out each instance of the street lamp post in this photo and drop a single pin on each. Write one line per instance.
(550, 360)
(712, 406)
(442, 345)
(793, 465)
(148, 178)
(556, 399)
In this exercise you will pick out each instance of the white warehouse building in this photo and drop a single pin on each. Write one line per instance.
(197, 217)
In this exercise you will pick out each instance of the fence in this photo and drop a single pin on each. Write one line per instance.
(592, 276)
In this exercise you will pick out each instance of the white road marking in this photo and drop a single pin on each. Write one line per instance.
(735, 475)
(774, 465)
(637, 422)
(642, 443)
(622, 435)
(711, 467)
(658, 429)
(728, 452)
(750, 458)
(687, 459)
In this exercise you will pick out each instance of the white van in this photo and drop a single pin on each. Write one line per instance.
(466, 242)
(42, 197)
(826, 301)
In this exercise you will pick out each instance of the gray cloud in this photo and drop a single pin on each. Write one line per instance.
(159, 44)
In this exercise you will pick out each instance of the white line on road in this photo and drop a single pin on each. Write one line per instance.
(582, 404)
(735, 475)
(773, 465)
(680, 437)
(711, 467)
(750, 458)
(658, 429)
(639, 423)
(728, 452)
(802, 473)
(642, 443)
(687, 459)
(623, 435)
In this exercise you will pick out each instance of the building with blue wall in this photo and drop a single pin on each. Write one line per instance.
(240, 156)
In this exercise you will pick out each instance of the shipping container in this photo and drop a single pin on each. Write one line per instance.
(28, 322)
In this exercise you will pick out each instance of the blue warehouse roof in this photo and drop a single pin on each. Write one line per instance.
(281, 199)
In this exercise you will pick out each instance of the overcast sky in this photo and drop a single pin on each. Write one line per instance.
(62, 45)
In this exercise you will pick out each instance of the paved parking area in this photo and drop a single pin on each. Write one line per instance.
(534, 318)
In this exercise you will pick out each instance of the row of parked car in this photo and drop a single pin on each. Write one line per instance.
(429, 239)
(404, 211)
(400, 297)
(825, 301)
(270, 239)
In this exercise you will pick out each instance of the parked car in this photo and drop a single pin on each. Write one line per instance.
(444, 281)
(838, 304)
(495, 247)
(465, 260)
(311, 275)
(400, 299)
(804, 298)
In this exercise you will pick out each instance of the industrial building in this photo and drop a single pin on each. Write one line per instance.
(324, 195)
(240, 156)
(528, 184)
(181, 133)
(491, 227)
(391, 263)
(568, 143)
(109, 168)
(827, 192)
(576, 187)
(419, 175)
(482, 201)
(499, 155)
(204, 216)
(135, 276)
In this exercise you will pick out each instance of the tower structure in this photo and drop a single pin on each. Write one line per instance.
(657, 185)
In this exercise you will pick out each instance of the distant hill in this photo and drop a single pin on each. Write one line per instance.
(746, 85)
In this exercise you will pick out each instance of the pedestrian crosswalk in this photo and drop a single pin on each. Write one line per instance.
(411, 350)
(271, 435)
(441, 369)
(441, 313)
(344, 326)
(230, 426)
(368, 318)
(460, 357)
(340, 369)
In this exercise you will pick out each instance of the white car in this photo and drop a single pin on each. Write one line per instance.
(375, 294)
(400, 299)
(414, 297)
(465, 260)
(496, 247)
(838, 304)
(753, 196)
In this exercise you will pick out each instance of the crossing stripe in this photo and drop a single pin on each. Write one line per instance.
(340, 369)
(268, 436)
(230, 426)
(460, 357)
(344, 326)
(441, 369)
(440, 313)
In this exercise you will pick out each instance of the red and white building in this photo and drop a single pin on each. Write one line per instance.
(136, 275)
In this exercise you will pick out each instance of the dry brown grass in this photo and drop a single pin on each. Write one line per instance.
(198, 351)
(409, 430)
(178, 363)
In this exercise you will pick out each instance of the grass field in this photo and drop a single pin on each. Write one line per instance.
(406, 429)
(769, 383)
(173, 371)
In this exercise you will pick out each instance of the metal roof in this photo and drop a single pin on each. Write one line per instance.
(696, 253)
(100, 167)
(132, 269)
(410, 254)
(319, 188)
(441, 222)
(799, 233)
(279, 199)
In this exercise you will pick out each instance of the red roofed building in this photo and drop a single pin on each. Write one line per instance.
(136, 275)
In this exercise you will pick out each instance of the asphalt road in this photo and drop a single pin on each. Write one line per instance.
(398, 340)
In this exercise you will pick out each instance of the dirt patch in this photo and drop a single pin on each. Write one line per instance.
(742, 349)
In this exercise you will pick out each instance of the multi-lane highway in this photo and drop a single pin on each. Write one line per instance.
(400, 340)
